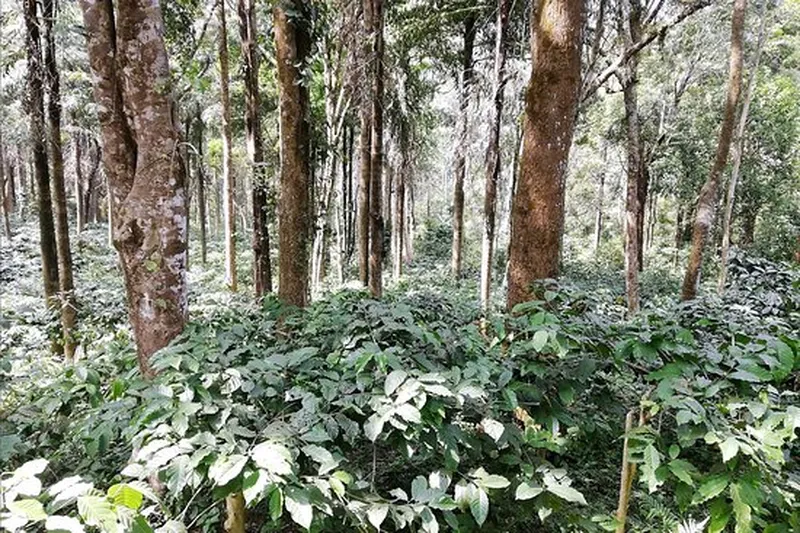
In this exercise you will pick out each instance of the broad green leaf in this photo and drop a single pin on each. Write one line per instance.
(526, 491)
(567, 493)
(27, 508)
(493, 428)
(125, 495)
(493, 481)
(742, 512)
(376, 514)
(273, 457)
(394, 380)
(326, 460)
(226, 468)
(683, 470)
(59, 524)
(373, 426)
(30, 469)
(652, 460)
(409, 413)
(720, 515)
(97, 511)
(479, 506)
(729, 448)
(540, 340)
(253, 485)
(710, 488)
(299, 507)
(140, 525)
(276, 504)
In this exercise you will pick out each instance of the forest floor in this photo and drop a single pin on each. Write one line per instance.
(415, 409)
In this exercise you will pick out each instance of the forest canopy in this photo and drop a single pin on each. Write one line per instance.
(400, 265)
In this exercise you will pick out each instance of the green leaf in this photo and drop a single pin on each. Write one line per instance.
(299, 507)
(59, 524)
(710, 488)
(28, 508)
(376, 514)
(742, 512)
(720, 515)
(652, 460)
(493, 481)
(326, 460)
(394, 380)
(683, 470)
(140, 525)
(493, 428)
(276, 504)
(273, 457)
(540, 340)
(373, 426)
(97, 511)
(526, 491)
(729, 448)
(253, 485)
(30, 469)
(567, 493)
(479, 506)
(125, 495)
(226, 468)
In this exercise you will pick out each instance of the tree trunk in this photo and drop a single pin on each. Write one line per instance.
(262, 269)
(399, 228)
(228, 179)
(461, 148)
(706, 204)
(493, 160)
(5, 190)
(38, 136)
(143, 165)
(748, 231)
(201, 185)
(91, 195)
(550, 107)
(598, 216)
(412, 221)
(58, 189)
(630, 29)
(80, 208)
(292, 42)
(365, 144)
(738, 147)
(376, 162)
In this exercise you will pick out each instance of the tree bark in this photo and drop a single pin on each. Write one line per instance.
(365, 143)
(292, 42)
(5, 190)
(706, 204)
(550, 107)
(376, 156)
(461, 148)
(738, 147)
(493, 160)
(630, 13)
(146, 176)
(201, 185)
(57, 187)
(598, 217)
(80, 206)
(38, 136)
(262, 269)
(399, 226)
(228, 179)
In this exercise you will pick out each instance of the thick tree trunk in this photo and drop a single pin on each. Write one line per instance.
(738, 147)
(706, 204)
(461, 148)
(58, 189)
(292, 42)
(38, 143)
(630, 28)
(262, 269)
(493, 160)
(365, 144)
(228, 179)
(142, 162)
(376, 163)
(550, 107)
(201, 185)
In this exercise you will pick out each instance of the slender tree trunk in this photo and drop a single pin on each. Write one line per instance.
(643, 190)
(706, 204)
(25, 187)
(38, 143)
(143, 165)
(262, 269)
(201, 185)
(738, 147)
(399, 228)
(80, 208)
(630, 28)
(493, 159)
(376, 163)
(365, 144)
(5, 190)
(91, 195)
(292, 42)
(58, 189)
(550, 107)
(748, 231)
(228, 179)
(598, 216)
(461, 148)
